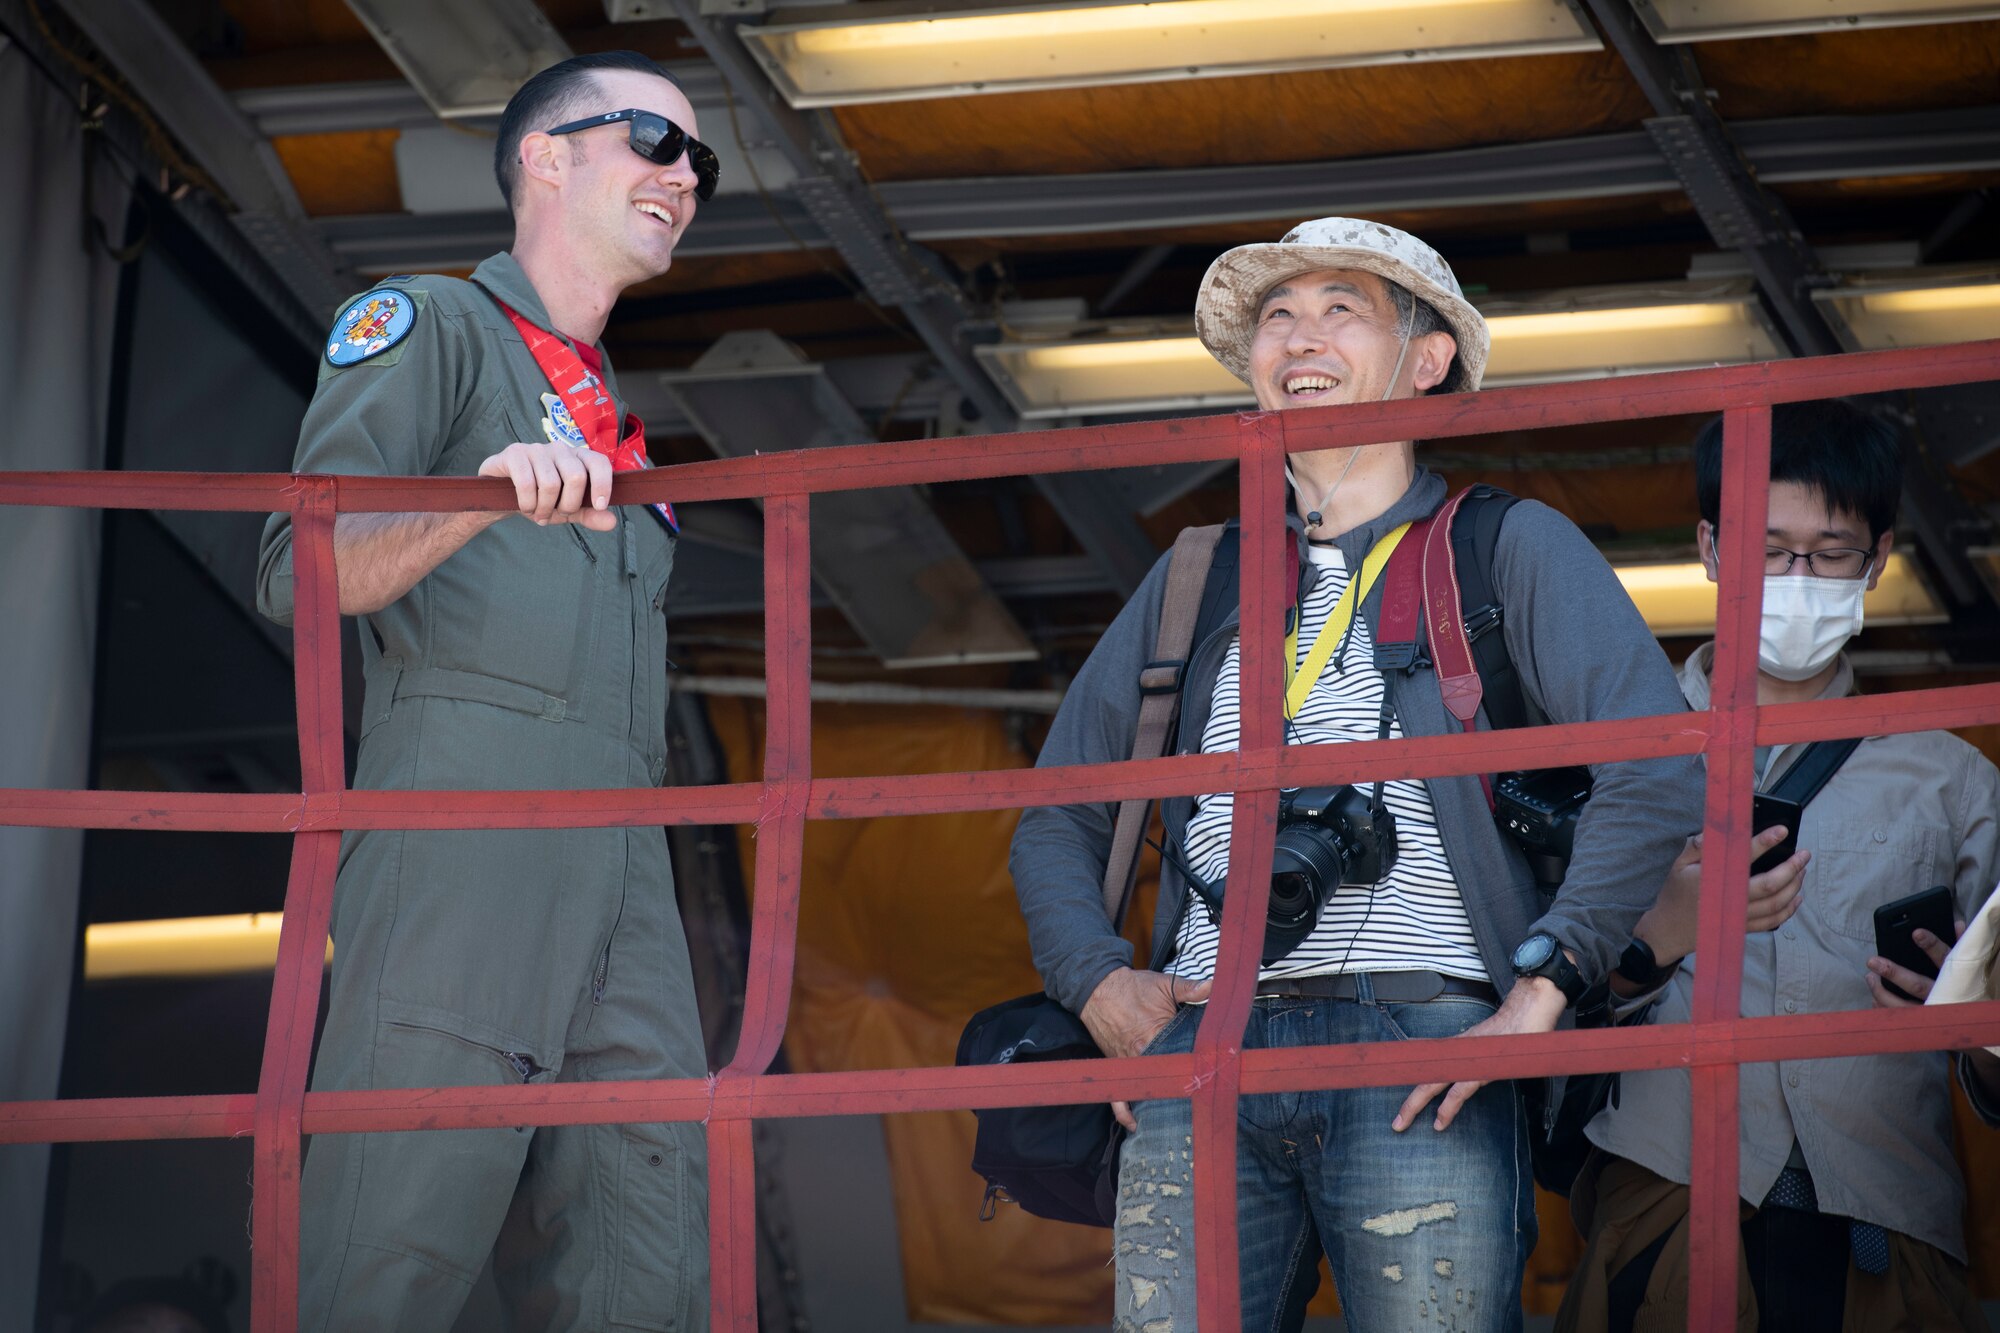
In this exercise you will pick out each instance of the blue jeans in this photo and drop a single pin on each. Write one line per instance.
(1422, 1229)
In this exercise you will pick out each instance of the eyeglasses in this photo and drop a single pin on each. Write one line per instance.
(1841, 562)
(658, 139)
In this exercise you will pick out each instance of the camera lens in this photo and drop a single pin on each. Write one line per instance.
(1305, 866)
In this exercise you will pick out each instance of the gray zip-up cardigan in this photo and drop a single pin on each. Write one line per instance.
(1583, 654)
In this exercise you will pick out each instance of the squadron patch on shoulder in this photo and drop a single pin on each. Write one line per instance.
(372, 323)
(559, 425)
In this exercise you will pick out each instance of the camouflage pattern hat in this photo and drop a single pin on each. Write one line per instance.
(1225, 311)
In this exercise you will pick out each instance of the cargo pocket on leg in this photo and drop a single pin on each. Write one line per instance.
(650, 1285)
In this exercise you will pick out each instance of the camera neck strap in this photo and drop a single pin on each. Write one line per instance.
(1300, 677)
(1423, 585)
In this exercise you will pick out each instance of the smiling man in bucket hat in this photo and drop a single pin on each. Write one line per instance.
(1423, 1216)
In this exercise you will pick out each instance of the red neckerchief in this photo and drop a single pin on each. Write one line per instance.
(589, 406)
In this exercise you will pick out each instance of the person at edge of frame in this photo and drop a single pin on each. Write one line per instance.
(1425, 1215)
(1852, 1198)
(510, 651)
(1968, 972)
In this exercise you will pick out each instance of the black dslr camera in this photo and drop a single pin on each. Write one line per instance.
(1327, 837)
(1540, 809)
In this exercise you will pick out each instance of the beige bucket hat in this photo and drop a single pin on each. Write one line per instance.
(1225, 311)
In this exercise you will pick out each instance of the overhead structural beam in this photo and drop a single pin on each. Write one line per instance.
(220, 139)
(1743, 214)
(1812, 148)
(1739, 212)
(898, 274)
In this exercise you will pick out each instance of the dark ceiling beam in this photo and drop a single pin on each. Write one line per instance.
(206, 122)
(1739, 212)
(1811, 148)
(895, 273)
(1742, 214)
(425, 242)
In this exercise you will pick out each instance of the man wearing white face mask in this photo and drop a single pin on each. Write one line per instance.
(1847, 1163)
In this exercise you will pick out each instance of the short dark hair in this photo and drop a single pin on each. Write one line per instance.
(1850, 457)
(550, 98)
(1416, 317)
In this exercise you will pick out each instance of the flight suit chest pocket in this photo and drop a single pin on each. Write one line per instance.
(522, 603)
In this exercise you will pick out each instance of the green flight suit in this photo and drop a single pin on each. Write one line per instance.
(534, 657)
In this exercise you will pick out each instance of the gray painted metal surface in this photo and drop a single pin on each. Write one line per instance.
(883, 555)
(224, 143)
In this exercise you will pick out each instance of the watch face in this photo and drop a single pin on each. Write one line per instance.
(1534, 952)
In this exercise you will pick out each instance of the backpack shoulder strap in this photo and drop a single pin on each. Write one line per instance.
(1225, 582)
(1160, 691)
(1474, 538)
(1813, 768)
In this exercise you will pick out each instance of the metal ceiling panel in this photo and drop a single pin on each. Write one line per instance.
(465, 57)
(882, 555)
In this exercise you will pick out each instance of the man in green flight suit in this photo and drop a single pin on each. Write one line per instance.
(506, 652)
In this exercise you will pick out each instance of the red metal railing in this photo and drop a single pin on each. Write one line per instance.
(1217, 1072)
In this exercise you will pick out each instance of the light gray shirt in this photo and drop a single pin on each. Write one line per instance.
(1902, 814)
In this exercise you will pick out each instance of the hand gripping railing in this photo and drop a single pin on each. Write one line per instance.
(1217, 1071)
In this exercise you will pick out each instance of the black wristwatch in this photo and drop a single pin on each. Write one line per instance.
(1541, 955)
(1641, 966)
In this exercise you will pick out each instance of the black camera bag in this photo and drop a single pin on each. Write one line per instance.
(1061, 1162)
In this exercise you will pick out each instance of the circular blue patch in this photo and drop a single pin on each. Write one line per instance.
(559, 425)
(372, 322)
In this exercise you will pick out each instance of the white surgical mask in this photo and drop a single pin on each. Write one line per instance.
(1806, 620)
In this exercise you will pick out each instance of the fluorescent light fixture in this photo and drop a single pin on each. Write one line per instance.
(898, 50)
(465, 56)
(1161, 370)
(1706, 20)
(195, 946)
(1598, 332)
(1579, 335)
(1915, 309)
(1677, 599)
(1986, 560)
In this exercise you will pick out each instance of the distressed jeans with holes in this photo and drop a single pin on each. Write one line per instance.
(1423, 1230)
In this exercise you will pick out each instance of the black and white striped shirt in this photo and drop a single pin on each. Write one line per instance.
(1414, 919)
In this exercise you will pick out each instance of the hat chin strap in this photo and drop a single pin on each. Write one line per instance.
(1313, 519)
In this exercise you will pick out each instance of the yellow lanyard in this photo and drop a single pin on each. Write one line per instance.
(1300, 679)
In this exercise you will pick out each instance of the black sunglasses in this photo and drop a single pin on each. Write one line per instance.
(658, 139)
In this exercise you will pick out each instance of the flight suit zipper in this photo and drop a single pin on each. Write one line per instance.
(598, 982)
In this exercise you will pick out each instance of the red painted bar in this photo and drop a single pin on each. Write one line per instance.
(301, 964)
(891, 1091)
(1725, 867)
(1714, 1220)
(1218, 1070)
(859, 467)
(781, 831)
(128, 1119)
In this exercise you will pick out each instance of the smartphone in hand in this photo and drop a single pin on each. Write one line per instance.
(1768, 812)
(1930, 910)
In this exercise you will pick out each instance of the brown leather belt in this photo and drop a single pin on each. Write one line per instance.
(1388, 987)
